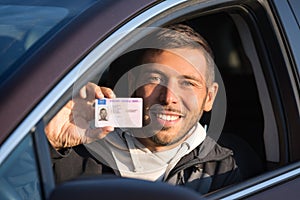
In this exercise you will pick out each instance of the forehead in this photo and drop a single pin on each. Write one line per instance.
(181, 61)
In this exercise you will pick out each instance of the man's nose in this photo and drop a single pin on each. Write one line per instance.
(168, 94)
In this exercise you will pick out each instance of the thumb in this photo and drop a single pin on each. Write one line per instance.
(98, 133)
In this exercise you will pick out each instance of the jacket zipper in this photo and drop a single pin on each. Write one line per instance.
(182, 167)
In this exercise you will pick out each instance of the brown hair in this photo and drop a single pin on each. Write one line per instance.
(170, 37)
(183, 36)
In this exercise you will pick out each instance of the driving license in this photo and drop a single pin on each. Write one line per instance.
(119, 112)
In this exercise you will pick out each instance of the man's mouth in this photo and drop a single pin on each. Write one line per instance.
(166, 117)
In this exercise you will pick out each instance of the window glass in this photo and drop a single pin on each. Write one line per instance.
(19, 177)
(21, 27)
(295, 5)
(23, 24)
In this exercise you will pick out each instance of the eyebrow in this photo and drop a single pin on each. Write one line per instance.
(153, 71)
(190, 77)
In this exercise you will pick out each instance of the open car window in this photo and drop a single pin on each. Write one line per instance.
(251, 123)
(247, 118)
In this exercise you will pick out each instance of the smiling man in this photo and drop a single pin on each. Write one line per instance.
(177, 87)
(176, 82)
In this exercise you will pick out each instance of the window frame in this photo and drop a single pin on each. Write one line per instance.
(288, 31)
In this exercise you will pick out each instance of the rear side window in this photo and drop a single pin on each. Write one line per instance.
(19, 177)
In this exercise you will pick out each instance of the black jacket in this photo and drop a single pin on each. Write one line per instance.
(205, 169)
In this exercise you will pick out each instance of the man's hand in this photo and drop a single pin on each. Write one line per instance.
(71, 126)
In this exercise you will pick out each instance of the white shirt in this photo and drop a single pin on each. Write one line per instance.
(130, 158)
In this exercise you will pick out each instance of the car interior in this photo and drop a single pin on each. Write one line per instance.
(244, 124)
(243, 130)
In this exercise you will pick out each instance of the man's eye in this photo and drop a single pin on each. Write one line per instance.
(187, 83)
(154, 79)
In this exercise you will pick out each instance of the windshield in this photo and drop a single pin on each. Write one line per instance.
(22, 25)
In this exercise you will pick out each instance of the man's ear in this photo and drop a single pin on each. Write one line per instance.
(211, 95)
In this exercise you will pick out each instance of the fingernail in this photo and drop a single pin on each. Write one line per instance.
(113, 95)
(110, 128)
(100, 95)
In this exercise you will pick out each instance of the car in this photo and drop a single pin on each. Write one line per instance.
(49, 49)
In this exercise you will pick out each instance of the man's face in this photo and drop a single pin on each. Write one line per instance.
(103, 114)
(174, 92)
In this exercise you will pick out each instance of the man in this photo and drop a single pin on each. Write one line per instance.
(176, 82)
(103, 114)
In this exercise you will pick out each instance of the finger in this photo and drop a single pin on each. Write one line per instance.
(107, 92)
(98, 93)
(88, 91)
(91, 90)
(99, 133)
(82, 92)
(108, 129)
(105, 131)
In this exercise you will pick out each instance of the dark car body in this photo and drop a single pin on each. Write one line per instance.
(257, 51)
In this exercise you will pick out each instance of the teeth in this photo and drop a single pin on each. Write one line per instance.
(167, 117)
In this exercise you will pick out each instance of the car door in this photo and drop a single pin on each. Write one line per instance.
(256, 113)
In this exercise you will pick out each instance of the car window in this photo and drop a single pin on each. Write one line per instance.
(22, 25)
(246, 115)
(19, 173)
(295, 6)
(243, 130)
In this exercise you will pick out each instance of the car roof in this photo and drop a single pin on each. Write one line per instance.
(39, 72)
